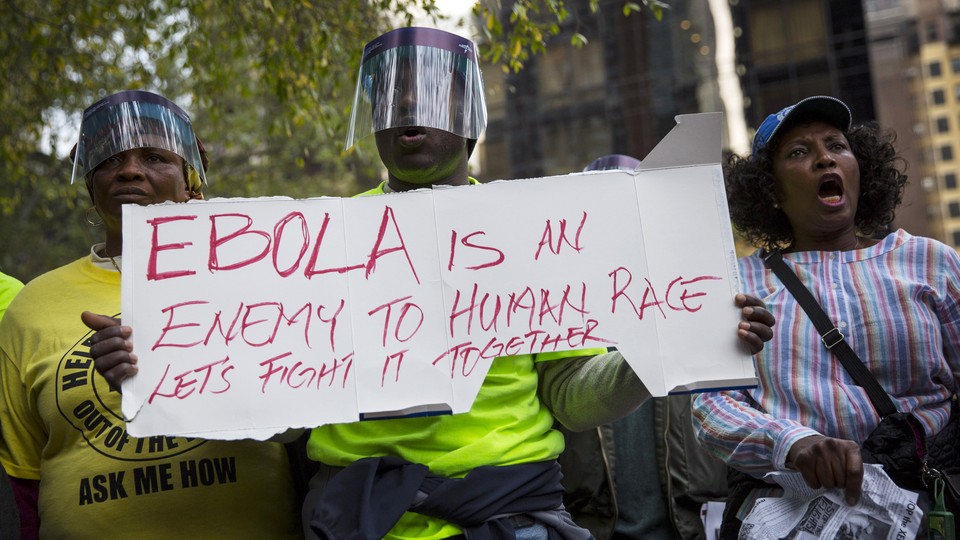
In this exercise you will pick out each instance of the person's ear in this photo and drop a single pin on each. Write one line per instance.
(89, 183)
(193, 183)
(193, 194)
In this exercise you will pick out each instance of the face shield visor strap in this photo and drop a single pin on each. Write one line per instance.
(404, 83)
(134, 119)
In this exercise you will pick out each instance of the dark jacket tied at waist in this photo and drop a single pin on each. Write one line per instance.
(365, 500)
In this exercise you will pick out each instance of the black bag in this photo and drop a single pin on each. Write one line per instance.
(914, 462)
(740, 487)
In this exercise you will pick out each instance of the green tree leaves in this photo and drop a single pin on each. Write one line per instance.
(530, 23)
(268, 84)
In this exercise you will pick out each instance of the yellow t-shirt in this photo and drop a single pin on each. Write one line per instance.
(507, 425)
(61, 424)
(9, 287)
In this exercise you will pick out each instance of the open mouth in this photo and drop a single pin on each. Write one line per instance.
(830, 190)
(411, 136)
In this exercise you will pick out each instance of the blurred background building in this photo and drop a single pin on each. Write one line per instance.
(894, 61)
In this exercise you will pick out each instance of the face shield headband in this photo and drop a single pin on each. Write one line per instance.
(418, 77)
(134, 119)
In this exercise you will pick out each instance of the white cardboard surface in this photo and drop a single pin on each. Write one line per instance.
(254, 315)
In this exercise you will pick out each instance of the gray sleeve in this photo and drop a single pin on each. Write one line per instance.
(587, 391)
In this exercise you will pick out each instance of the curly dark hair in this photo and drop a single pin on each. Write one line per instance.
(751, 191)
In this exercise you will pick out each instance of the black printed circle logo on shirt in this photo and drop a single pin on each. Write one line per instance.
(88, 403)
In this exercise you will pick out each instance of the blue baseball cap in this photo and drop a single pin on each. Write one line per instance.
(827, 108)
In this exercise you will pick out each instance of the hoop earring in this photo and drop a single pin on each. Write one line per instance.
(93, 223)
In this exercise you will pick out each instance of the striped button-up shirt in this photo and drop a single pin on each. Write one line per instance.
(898, 305)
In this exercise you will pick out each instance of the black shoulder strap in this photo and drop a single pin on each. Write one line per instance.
(830, 335)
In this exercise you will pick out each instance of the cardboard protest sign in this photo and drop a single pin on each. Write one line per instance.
(253, 315)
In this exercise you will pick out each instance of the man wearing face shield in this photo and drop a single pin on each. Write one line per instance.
(74, 470)
(420, 92)
(493, 469)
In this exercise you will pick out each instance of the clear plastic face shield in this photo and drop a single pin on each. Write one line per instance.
(134, 119)
(418, 77)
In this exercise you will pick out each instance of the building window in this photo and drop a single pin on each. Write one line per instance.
(783, 32)
(950, 181)
(932, 34)
(955, 64)
(954, 209)
(567, 74)
(956, 93)
(943, 124)
(933, 68)
(938, 97)
(956, 238)
(946, 153)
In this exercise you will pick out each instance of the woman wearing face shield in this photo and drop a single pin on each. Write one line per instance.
(75, 471)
